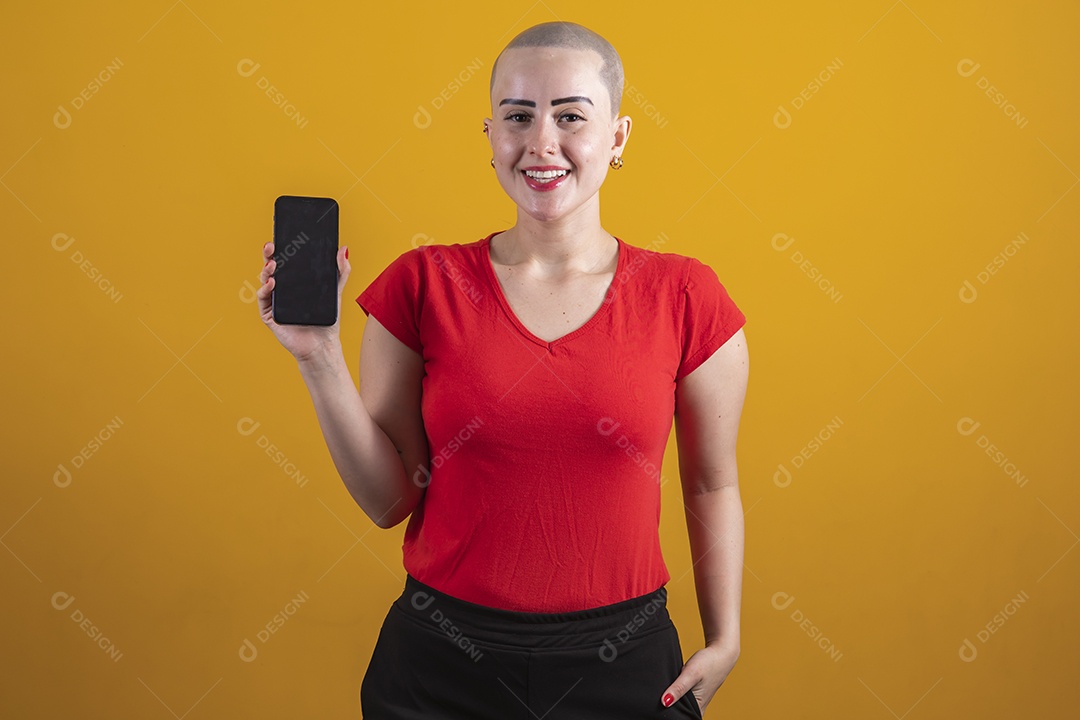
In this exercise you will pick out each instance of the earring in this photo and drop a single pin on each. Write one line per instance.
(616, 162)
(492, 162)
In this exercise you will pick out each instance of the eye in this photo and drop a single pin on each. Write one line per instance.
(511, 116)
(572, 115)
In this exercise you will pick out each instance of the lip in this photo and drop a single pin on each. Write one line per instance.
(550, 185)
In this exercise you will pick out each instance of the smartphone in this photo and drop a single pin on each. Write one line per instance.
(305, 253)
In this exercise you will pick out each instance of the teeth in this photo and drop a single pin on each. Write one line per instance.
(546, 174)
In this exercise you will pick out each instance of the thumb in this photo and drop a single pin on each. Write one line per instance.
(344, 267)
(675, 691)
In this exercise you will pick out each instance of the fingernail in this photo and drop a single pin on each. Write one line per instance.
(668, 699)
(346, 253)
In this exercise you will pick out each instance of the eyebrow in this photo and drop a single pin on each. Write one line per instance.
(557, 101)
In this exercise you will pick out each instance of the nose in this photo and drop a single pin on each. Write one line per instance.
(542, 139)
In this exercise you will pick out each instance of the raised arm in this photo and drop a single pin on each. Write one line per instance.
(375, 437)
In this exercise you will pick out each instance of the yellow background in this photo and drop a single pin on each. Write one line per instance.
(897, 539)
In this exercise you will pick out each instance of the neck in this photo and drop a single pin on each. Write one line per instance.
(574, 244)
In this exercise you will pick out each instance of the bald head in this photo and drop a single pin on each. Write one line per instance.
(575, 37)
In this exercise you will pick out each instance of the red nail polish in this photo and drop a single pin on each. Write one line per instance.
(346, 253)
(668, 699)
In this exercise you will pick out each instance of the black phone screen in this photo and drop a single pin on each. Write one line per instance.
(305, 256)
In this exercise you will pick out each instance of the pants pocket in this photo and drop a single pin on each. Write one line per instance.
(687, 705)
(692, 705)
(622, 682)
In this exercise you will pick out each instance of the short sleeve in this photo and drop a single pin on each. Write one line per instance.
(394, 298)
(710, 317)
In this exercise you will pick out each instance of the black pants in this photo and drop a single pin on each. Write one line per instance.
(441, 658)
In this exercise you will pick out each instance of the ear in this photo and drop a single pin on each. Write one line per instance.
(622, 134)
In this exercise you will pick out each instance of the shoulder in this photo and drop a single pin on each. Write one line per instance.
(424, 253)
(681, 271)
(425, 248)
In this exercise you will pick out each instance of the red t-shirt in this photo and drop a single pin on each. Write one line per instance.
(544, 486)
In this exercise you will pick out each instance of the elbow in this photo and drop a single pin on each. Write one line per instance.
(387, 519)
(402, 508)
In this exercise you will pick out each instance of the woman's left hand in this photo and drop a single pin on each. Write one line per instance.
(703, 673)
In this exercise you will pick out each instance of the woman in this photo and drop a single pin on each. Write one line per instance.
(517, 394)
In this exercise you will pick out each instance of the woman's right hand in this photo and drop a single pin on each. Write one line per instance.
(303, 341)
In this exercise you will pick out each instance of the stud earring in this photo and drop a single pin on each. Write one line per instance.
(492, 162)
(616, 162)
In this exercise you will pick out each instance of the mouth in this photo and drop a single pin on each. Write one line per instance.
(544, 179)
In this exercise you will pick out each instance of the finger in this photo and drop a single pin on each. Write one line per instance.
(268, 250)
(344, 266)
(263, 293)
(675, 691)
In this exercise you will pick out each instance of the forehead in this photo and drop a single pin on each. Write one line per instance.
(548, 71)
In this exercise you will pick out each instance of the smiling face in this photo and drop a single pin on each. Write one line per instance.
(551, 112)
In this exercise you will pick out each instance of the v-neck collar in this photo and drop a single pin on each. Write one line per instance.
(605, 307)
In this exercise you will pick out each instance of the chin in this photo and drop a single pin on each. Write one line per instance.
(545, 215)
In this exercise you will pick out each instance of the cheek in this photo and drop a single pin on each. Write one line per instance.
(588, 152)
(504, 148)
